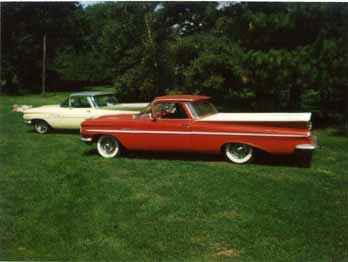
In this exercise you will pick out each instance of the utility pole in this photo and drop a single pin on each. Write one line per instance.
(43, 76)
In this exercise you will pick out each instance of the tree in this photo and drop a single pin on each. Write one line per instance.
(253, 56)
(23, 28)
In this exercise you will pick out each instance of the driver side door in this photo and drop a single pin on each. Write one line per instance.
(80, 109)
(171, 130)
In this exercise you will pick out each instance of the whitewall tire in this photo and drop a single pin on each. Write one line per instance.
(238, 153)
(41, 126)
(108, 146)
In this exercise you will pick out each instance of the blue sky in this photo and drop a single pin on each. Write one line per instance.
(221, 3)
(87, 3)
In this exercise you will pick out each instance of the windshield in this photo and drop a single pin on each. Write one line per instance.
(105, 100)
(202, 108)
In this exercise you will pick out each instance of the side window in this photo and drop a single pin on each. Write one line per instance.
(170, 111)
(79, 102)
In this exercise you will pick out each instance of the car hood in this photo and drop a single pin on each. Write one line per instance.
(104, 112)
(121, 116)
(258, 117)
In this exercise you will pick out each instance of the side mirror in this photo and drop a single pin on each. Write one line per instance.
(153, 112)
(153, 117)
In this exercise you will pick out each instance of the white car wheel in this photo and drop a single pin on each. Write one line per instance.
(41, 126)
(238, 153)
(108, 146)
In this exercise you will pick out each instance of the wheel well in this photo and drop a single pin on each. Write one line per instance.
(96, 137)
(256, 148)
(38, 119)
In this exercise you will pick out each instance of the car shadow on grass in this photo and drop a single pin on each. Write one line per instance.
(182, 156)
(266, 159)
(57, 131)
(261, 158)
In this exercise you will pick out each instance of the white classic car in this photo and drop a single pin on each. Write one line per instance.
(77, 108)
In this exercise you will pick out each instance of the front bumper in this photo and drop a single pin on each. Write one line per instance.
(28, 122)
(86, 139)
(309, 147)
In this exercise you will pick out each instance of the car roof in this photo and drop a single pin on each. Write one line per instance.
(187, 98)
(91, 93)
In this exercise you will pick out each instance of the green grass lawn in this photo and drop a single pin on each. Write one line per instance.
(60, 201)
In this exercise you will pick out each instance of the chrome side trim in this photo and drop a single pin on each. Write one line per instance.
(191, 133)
(178, 99)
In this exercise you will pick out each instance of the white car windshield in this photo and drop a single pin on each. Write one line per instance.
(105, 100)
(202, 108)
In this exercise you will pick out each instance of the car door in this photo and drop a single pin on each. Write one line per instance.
(171, 128)
(79, 110)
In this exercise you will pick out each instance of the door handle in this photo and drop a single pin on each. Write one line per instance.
(186, 125)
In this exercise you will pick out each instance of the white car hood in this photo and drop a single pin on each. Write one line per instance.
(258, 117)
(101, 112)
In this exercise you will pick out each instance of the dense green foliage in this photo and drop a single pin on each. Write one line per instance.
(253, 56)
(60, 200)
(22, 28)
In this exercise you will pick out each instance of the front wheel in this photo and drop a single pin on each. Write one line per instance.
(108, 146)
(238, 153)
(41, 126)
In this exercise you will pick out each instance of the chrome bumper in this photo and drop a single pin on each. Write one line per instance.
(314, 145)
(86, 139)
(28, 122)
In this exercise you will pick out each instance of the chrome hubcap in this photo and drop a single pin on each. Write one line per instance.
(109, 145)
(41, 128)
(239, 151)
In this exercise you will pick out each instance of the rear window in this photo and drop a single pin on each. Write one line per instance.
(202, 108)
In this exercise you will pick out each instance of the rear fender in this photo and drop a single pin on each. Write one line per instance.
(273, 145)
(253, 145)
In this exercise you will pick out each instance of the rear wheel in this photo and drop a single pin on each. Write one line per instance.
(108, 146)
(41, 126)
(238, 153)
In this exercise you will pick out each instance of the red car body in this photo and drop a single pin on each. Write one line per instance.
(206, 134)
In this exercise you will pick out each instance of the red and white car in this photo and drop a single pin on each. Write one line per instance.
(192, 124)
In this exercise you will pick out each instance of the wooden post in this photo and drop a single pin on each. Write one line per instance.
(43, 76)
